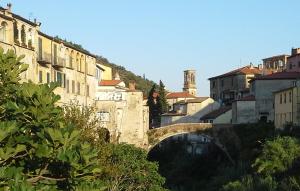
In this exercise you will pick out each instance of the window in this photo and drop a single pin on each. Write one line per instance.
(48, 77)
(231, 81)
(73, 87)
(214, 84)
(222, 83)
(78, 88)
(87, 90)
(40, 56)
(284, 97)
(16, 32)
(67, 86)
(23, 35)
(40, 77)
(290, 97)
(291, 66)
(61, 79)
(3, 31)
(299, 64)
(280, 98)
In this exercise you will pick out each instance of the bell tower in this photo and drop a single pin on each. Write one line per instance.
(190, 82)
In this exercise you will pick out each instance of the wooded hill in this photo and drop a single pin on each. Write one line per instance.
(142, 83)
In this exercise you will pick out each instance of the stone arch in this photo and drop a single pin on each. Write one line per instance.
(3, 31)
(30, 37)
(71, 58)
(82, 63)
(155, 136)
(23, 35)
(78, 61)
(16, 31)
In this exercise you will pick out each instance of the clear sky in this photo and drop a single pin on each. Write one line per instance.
(161, 38)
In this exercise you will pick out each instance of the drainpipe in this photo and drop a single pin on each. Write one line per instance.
(85, 80)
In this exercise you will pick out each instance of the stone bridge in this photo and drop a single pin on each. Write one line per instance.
(220, 134)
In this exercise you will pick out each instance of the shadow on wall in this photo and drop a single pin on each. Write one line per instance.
(192, 118)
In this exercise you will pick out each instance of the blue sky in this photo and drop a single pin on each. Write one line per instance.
(161, 38)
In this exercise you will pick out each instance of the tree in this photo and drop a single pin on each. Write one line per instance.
(38, 149)
(154, 108)
(162, 97)
(126, 168)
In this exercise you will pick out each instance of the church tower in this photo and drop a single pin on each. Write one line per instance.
(190, 82)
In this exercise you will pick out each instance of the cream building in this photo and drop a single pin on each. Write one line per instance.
(122, 112)
(189, 111)
(286, 107)
(50, 59)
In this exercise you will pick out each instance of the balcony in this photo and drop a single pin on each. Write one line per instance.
(59, 62)
(44, 58)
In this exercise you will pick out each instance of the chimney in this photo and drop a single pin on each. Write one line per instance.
(117, 76)
(9, 5)
(251, 65)
(132, 85)
(295, 51)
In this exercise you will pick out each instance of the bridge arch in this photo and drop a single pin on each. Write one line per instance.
(157, 135)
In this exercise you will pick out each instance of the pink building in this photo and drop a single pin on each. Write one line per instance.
(293, 62)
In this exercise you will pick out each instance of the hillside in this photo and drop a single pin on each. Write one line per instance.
(142, 83)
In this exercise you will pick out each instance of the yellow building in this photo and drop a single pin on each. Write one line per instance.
(286, 103)
(50, 59)
(106, 71)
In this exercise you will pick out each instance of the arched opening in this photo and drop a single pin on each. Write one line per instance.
(78, 61)
(71, 59)
(23, 35)
(3, 29)
(30, 38)
(82, 63)
(16, 32)
(184, 158)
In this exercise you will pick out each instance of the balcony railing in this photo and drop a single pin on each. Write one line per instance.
(44, 58)
(59, 62)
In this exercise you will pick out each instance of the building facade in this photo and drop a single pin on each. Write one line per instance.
(243, 110)
(263, 88)
(233, 85)
(275, 63)
(189, 111)
(190, 82)
(287, 107)
(50, 59)
(122, 112)
(293, 62)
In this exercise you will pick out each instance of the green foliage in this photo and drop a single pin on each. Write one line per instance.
(85, 119)
(127, 168)
(155, 108)
(162, 97)
(277, 155)
(142, 83)
(38, 149)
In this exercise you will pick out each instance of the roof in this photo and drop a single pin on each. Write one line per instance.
(174, 114)
(243, 70)
(175, 95)
(247, 98)
(109, 82)
(66, 44)
(196, 100)
(216, 113)
(282, 90)
(276, 57)
(279, 76)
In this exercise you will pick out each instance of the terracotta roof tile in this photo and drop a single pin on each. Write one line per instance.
(216, 113)
(109, 82)
(175, 95)
(279, 75)
(243, 70)
(196, 100)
